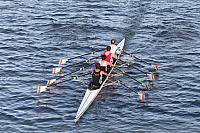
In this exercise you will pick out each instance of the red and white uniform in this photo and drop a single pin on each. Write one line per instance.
(103, 65)
(108, 57)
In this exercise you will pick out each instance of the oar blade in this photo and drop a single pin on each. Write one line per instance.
(51, 81)
(151, 76)
(56, 70)
(41, 89)
(141, 96)
(62, 61)
(155, 67)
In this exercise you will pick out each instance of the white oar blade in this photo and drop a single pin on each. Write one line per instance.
(62, 61)
(41, 89)
(56, 70)
(51, 81)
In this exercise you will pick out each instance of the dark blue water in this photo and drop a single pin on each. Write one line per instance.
(35, 34)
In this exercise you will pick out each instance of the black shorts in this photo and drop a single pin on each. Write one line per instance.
(114, 60)
(93, 87)
(108, 69)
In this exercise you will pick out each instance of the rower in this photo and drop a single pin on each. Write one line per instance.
(104, 64)
(113, 50)
(113, 46)
(109, 57)
(97, 77)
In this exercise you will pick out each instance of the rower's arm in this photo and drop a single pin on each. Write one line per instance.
(92, 72)
(102, 72)
(110, 64)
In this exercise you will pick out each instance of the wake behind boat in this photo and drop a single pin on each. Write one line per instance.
(90, 95)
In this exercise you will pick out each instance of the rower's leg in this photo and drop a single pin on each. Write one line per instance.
(103, 78)
(108, 69)
(114, 60)
(117, 56)
(90, 86)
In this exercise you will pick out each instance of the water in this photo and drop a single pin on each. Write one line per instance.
(34, 35)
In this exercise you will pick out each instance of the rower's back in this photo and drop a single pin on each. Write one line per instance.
(96, 75)
(96, 78)
(103, 63)
(113, 46)
(108, 54)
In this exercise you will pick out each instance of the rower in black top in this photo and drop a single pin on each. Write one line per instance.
(96, 77)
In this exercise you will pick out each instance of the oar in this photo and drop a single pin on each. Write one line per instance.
(67, 74)
(50, 82)
(151, 76)
(127, 87)
(129, 76)
(140, 94)
(53, 80)
(58, 69)
(141, 60)
(146, 86)
(41, 89)
(63, 61)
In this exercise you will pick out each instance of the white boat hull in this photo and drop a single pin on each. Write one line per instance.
(90, 95)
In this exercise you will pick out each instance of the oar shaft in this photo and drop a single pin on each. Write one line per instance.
(66, 74)
(130, 76)
(73, 64)
(59, 82)
(135, 68)
(127, 87)
(79, 62)
(66, 79)
(142, 60)
(84, 54)
(139, 58)
(139, 70)
(133, 78)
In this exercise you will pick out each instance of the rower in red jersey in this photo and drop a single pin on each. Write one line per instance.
(109, 57)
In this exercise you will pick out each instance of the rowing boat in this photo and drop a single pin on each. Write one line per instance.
(90, 95)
